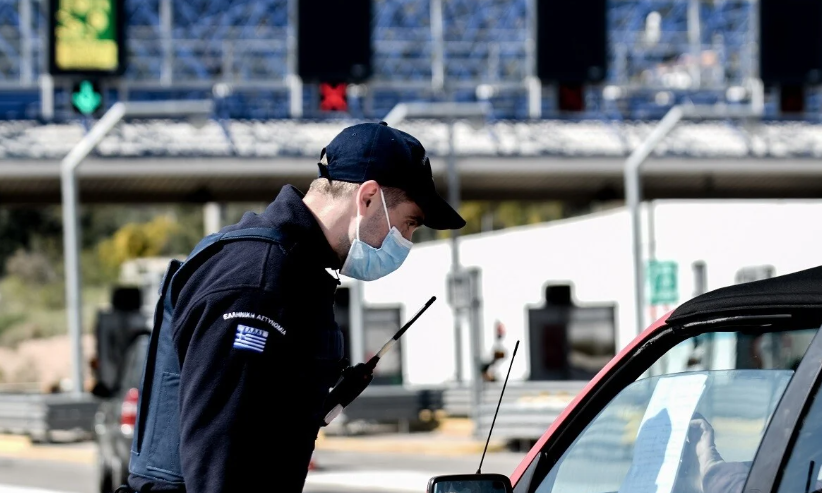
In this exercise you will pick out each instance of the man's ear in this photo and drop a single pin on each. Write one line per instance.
(366, 194)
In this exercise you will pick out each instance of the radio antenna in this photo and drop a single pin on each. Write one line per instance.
(488, 440)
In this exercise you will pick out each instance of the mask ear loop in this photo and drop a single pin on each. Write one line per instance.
(359, 218)
(385, 208)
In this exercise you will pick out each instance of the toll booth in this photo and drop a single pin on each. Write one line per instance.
(379, 325)
(386, 400)
(569, 342)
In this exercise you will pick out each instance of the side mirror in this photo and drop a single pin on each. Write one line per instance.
(470, 483)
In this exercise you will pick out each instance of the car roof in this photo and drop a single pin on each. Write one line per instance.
(799, 291)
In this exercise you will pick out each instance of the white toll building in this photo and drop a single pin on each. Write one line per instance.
(690, 246)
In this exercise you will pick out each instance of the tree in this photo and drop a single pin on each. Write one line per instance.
(482, 216)
(25, 228)
(135, 240)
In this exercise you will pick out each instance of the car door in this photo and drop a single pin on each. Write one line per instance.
(686, 411)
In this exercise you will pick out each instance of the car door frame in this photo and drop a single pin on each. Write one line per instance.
(781, 434)
(637, 359)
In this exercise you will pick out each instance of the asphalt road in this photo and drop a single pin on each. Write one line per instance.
(339, 472)
(50, 476)
(395, 473)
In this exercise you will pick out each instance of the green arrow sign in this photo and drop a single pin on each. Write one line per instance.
(86, 99)
(664, 283)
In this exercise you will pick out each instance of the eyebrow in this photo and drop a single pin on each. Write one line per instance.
(418, 219)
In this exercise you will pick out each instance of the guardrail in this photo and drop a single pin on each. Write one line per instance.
(37, 415)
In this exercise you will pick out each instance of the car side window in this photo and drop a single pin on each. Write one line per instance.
(746, 374)
(803, 470)
(664, 432)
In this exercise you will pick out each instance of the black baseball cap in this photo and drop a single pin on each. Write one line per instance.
(392, 158)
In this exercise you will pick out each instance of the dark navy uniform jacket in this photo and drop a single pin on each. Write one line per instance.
(254, 332)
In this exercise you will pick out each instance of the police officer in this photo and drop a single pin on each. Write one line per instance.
(245, 347)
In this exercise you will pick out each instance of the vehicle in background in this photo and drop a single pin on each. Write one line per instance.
(146, 274)
(122, 332)
(720, 395)
(116, 417)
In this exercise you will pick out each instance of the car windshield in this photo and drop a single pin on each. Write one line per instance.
(691, 424)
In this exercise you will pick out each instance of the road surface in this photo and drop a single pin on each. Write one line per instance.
(339, 472)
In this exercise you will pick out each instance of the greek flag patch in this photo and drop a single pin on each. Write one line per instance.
(250, 339)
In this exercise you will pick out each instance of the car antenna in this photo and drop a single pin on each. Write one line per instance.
(502, 392)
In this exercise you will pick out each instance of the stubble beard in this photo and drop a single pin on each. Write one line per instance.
(370, 234)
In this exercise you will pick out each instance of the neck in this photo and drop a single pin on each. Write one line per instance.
(332, 218)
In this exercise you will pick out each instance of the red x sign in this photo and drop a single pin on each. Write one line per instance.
(332, 97)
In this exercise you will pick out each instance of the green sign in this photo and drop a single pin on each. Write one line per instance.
(86, 98)
(86, 37)
(664, 282)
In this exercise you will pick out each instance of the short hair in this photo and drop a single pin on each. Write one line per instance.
(336, 189)
(341, 189)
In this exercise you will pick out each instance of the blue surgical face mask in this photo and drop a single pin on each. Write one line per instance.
(367, 263)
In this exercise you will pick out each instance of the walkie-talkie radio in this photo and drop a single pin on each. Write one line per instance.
(355, 379)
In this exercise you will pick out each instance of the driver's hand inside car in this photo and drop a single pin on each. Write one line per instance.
(701, 435)
(717, 476)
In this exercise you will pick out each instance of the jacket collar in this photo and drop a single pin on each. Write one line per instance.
(289, 213)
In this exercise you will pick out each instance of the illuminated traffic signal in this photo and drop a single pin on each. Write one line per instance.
(571, 97)
(333, 97)
(86, 98)
(86, 37)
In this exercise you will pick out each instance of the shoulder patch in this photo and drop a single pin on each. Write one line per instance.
(250, 338)
(254, 316)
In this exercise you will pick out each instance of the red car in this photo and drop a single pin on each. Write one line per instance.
(720, 395)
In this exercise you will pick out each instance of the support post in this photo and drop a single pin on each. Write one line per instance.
(70, 199)
(475, 328)
(633, 197)
(71, 236)
(46, 81)
(166, 23)
(212, 217)
(295, 83)
(534, 85)
(47, 97)
(26, 42)
(695, 42)
(454, 201)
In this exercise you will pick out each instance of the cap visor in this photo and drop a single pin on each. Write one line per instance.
(440, 215)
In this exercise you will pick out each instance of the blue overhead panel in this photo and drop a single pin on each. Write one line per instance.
(401, 39)
(193, 45)
(145, 41)
(10, 41)
(485, 40)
